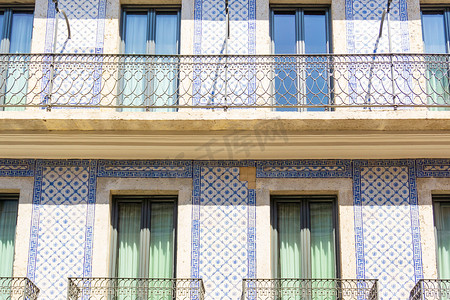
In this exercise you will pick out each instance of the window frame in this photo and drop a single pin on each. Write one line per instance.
(304, 201)
(437, 200)
(12, 197)
(151, 21)
(445, 10)
(299, 11)
(5, 34)
(145, 231)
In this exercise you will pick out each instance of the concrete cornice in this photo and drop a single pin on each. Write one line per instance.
(235, 120)
(224, 135)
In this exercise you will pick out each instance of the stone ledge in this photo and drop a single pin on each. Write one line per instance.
(232, 121)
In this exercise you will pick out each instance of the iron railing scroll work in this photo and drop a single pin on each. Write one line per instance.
(312, 289)
(135, 288)
(431, 289)
(174, 82)
(17, 288)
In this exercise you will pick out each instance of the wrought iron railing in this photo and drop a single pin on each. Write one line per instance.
(170, 83)
(135, 288)
(17, 288)
(313, 289)
(431, 289)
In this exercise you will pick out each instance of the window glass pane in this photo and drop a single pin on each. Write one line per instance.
(443, 236)
(322, 241)
(20, 42)
(136, 33)
(8, 220)
(161, 241)
(166, 73)
(289, 240)
(129, 229)
(2, 20)
(284, 33)
(315, 29)
(21, 30)
(437, 72)
(166, 36)
(285, 42)
(434, 32)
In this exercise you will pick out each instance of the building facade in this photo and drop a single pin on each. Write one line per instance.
(226, 140)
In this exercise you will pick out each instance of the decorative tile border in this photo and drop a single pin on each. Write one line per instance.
(304, 169)
(17, 167)
(417, 168)
(57, 183)
(87, 24)
(226, 163)
(400, 193)
(433, 168)
(359, 35)
(210, 37)
(211, 194)
(145, 168)
(251, 234)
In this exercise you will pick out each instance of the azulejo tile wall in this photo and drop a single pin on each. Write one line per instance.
(211, 36)
(223, 216)
(387, 225)
(87, 26)
(363, 19)
(62, 224)
(363, 24)
(224, 233)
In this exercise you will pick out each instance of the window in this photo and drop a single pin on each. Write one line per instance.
(16, 26)
(442, 232)
(304, 237)
(301, 80)
(436, 37)
(150, 81)
(8, 220)
(143, 236)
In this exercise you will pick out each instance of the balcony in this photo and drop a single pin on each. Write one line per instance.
(430, 289)
(173, 83)
(17, 288)
(323, 289)
(135, 288)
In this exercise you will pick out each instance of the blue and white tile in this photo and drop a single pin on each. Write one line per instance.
(304, 169)
(87, 24)
(363, 23)
(386, 225)
(17, 167)
(223, 231)
(211, 37)
(62, 224)
(433, 168)
(145, 168)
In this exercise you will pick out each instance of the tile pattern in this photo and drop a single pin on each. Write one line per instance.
(433, 167)
(304, 169)
(87, 26)
(145, 168)
(211, 37)
(363, 23)
(224, 211)
(387, 225)
(210, 27)
(62, 224)
(223, 235)
(17, 167)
